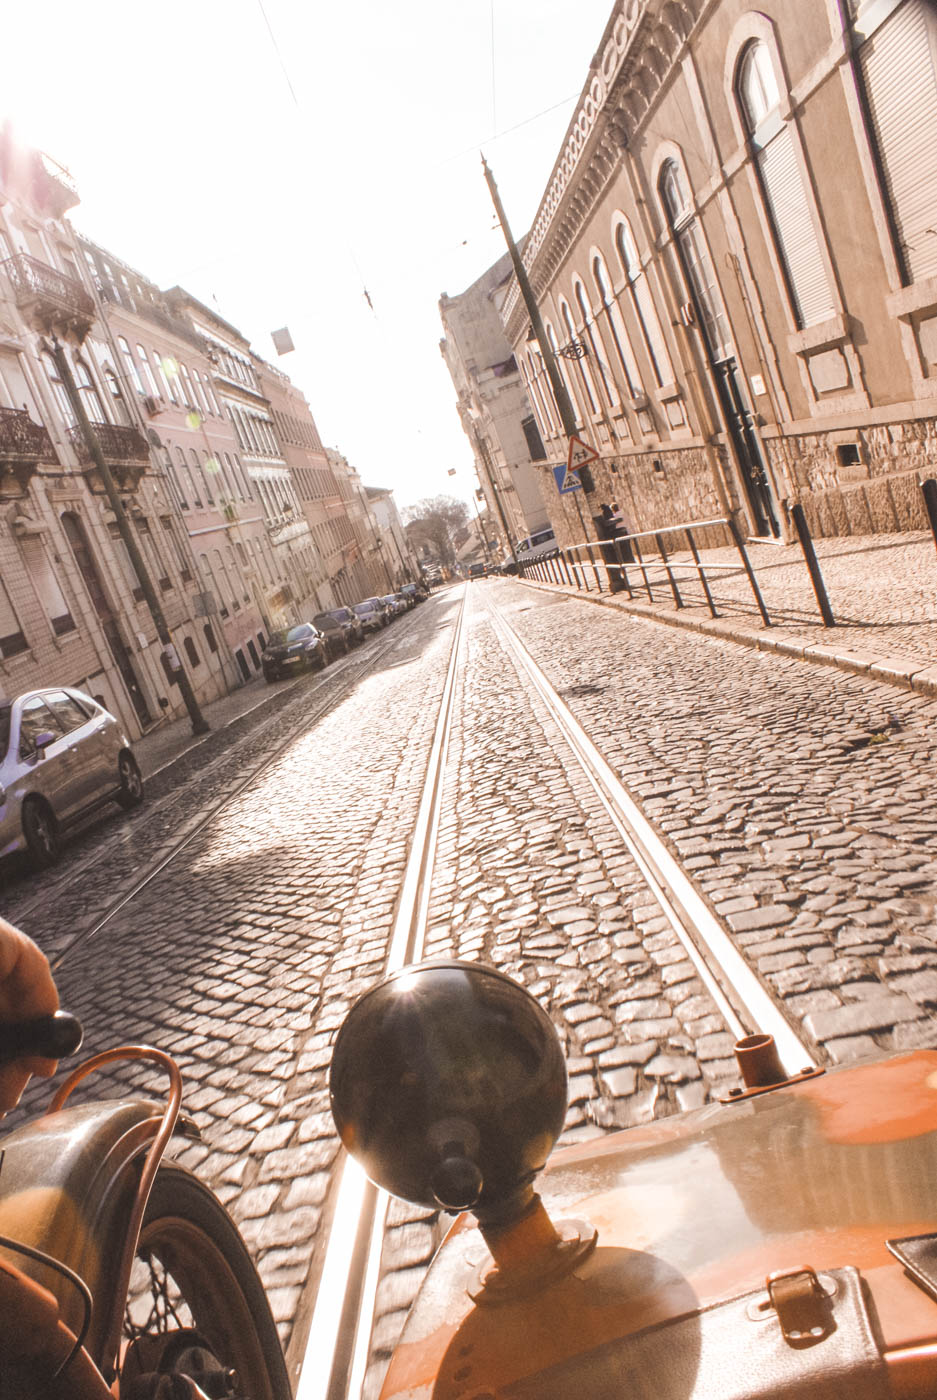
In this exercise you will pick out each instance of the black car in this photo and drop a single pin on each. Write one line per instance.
(371, 615)
(292, 649)
(414, 592)
(341, 629)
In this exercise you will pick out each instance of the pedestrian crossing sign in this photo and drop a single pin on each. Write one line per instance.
(566, 480)
(580, 455)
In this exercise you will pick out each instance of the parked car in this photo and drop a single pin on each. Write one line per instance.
(382, 606)
(61, 755)
(477, 571)
(415, 592)
(371, 615)
(394, 603)
(534, 547)
(341, 629)
(293, 649)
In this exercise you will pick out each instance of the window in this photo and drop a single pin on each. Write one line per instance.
(190, 651)
(697, 263)
(88, 393)
(123, 554)
(200, 393)
(616, 326)
(145, 370)
(187, 392)
(186, 475)
(67, 711)
(130, 366)
(118, 406)
(12, 640)
(210, 637)
(563, 371)
(58, 388)
(596, 348)
(196, 473)
(898, 69)
(584, 373)
(35, 718)
(775, 154)
(642, 304)
(46, 585)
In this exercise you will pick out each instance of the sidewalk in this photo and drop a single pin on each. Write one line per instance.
(163, 745)
(882, 589)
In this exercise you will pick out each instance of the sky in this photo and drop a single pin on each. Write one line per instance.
(279, 157)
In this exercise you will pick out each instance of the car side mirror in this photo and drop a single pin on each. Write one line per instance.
(42, 741)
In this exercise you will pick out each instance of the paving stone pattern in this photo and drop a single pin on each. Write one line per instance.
(242, 958)
(531, 877)
(800, 798)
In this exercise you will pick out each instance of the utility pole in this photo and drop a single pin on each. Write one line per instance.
(199, 724)
(557, 384)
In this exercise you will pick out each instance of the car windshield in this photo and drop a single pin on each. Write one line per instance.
(291, 634)
(362, 608)
(5, 712)
(327, 620)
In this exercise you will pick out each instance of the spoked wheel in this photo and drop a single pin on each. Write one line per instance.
(196, 1307)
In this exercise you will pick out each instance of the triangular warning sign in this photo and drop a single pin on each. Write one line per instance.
(580, 454)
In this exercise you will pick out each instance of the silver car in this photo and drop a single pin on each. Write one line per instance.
(62, 754)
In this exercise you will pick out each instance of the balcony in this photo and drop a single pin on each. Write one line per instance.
(49, 301)
(125, 451)
(23, 445)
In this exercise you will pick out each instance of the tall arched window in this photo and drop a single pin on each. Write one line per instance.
(616, 326)
(147, 373)
(58, 388)
(89, 394)
(584, 373)
(596, 346)
(186, 475)
(130, 366)
(643, 305)
(774, 151)
(896, 50)
(564, 372)
(696, 261)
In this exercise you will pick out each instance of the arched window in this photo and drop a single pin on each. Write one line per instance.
(774, 151)
(584, 373)
(596, 346)
(626, 360)
(642, 304)
(58, 388)
(564, 373)
(198, 471)
(89, 394)
(130, 366)
(118, 403)
(147, 373)
(697, 263)
(188, 475)
(897, 60)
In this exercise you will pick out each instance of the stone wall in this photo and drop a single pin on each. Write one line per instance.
(878, 494)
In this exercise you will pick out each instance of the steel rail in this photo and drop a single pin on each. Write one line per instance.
(743, 1000)
(347, 678)
(338, 1344)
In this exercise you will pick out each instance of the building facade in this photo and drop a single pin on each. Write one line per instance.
(370, 575)
(493, 406)
(735, 258)
(392, 541)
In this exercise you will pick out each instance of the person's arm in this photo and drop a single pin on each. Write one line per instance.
(26, 990)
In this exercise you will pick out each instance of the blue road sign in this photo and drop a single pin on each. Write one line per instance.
(566, 480)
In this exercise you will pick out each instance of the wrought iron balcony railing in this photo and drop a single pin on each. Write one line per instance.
(22, 440)
(47, 296)
(120, 446)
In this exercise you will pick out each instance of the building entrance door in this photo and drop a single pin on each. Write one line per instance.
(748, 452)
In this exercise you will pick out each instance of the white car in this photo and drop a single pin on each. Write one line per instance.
(61, 755)
(535, 546)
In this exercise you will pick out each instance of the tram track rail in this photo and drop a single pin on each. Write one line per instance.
(337, 1351)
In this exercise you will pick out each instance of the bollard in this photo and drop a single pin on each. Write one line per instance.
(701, 571)
(813, 566)
(929, 491)
(746, 565)
(677, 600)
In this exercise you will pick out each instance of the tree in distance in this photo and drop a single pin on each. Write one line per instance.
(436, 521)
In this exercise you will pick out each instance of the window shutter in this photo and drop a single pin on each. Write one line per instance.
(796, 233)
(898, 69)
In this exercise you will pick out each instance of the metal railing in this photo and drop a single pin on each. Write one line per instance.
(22, 440)
(36, 281)
(118, 444)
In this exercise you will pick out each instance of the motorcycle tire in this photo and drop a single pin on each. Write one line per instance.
(195, 1243)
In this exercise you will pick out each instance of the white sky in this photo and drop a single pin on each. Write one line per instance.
(195, 164)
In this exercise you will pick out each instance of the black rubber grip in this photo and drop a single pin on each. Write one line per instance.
(52, 1037)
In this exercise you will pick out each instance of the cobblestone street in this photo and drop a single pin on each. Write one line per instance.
(798, 798)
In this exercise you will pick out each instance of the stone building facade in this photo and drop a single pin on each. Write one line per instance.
(493, 405)
(391, 538)
(735, 258)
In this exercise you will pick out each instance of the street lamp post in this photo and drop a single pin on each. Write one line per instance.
(199, 723)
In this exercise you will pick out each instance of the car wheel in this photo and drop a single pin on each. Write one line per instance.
(41, 832)
(131, 782)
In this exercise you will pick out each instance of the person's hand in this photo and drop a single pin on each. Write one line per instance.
(26, 990)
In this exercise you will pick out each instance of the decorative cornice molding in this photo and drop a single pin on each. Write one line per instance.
(643, 41)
